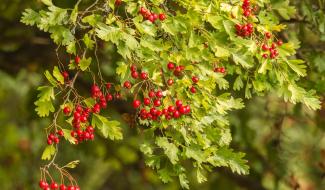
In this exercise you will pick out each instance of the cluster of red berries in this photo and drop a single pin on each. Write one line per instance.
(244, 30)
(272, 47)
(152, 17)
(195, 80)
(177, 70)
(220, 70)
(154, 113)
(246, 7)
(54, 138)
(135, 75)
(54, 186)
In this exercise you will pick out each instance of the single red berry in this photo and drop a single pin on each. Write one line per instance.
(268, 35)
(127, 84)
(265, 56)
(176, 114)
(171, 109)
(70, 187)
(54, 185)
(144, 75)
(151, 94)
(135, 74)
(66, 110)
(159, 94)
(280, 43)
(247, 13)
(118, 96)
(108, 85)
(157, 102)
(195, 79)
(171, 66)
(238, 27)
(76, 188)
(193, 89)
(133, 68)
(56, 140)
(265, 47)
(153, 111)
(63, 187)
(151, 18)
(155, 16)
(273, 46)
(146, 101)
(77, 59)
(65, 75)
(103, 104)
(179, 103)
(109, 97)
(51, 136)
(170, 82)
(182, 110)
(136, 104)
(42, 184)
(164, 111)
(118, 2)
(143, 10)
(49, 141)
(60, 132)
(162, 16)
(83, 119)
(90, 129)
(73, 133)
(76, 115)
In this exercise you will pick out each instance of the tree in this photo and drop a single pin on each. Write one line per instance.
(192, 35)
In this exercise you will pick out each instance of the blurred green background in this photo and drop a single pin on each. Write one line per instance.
(285, 143)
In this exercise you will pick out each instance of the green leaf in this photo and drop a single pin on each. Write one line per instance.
(30, 17)
(43, 108)
(109, 129)
(61, 35)
(88, 41)
(48, 152)
(298, 66)
(169, 148)
(183, 181)
(50, 78)
(121, 70)
(57, 74)
(238, 84)
(85, 63)
(93, 19)
(46, 93)
(200, 177)
(164, 175)
(226, 157)
(72, 164)
(109, 33)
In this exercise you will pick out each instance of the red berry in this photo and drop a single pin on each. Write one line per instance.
(66, 110)
(195, 79)
(70, 187)
(135, 74)
(151, 18)
(118, 96)
(63, 187)
(170, 82)
(171, 66)
(76, 188)
(77, 59)
(159, 94)
(144, 75)
(268, 35)
(49, 141)
(238, 27)
(265, 47)
(73, 133)
(151, 94)
(162, 16)
(56, 140)
(118, 2)
(65, 75)
(108, 85)
(142, 10)
(54, 185)
(133, 68)
(146, 101)
(42, 184)
(83, 119)
(51, 136)
(127, 84)
(193, 89)
(109, 97)
(60, 133)
(265, 56)
(153, 111)
(280, 43)
(157, 102)
(247, 13)
(136, 104)
(171, 109)
(179, 103)
(155, 16)
(222, 70)
(176, 114)
(90, 129)
(182, 110)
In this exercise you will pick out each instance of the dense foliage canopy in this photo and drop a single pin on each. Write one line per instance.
(191, 84)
